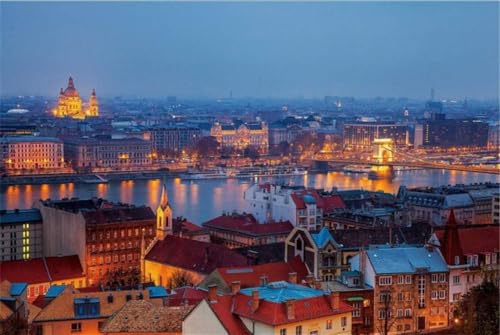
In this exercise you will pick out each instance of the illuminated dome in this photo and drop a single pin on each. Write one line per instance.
(71, 91)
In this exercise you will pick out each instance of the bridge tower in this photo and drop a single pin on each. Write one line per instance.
(383, 150)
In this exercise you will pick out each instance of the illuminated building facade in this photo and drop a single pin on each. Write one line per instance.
(22, 154)
(455, 133)
(20, 234)
(70, 104)
(241, 136)
(167, 140)
(106, 236)
(105, 153)
(360, 135)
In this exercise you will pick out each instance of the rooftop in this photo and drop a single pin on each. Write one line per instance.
(405, 259)
(20, 216)
(29, 138)
(247, 224)
(281, 291)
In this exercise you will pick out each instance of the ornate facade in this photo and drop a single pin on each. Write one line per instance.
(241, 136)
(70, 104)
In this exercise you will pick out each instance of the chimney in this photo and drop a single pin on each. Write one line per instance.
(309, 280)
(206, 255)
(290, 309)
(317, 284)
(212, 293)
(263, 280)
(235, 287)
(255, 300)
(292, 277)
(335, 300)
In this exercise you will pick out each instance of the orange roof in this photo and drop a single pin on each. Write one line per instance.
(273, 313)
(222, 308)
(249, 276)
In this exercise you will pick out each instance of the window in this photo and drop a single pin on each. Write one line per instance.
(298, 330)
(401, 279)
(442, 277)
(457, 260)
(408, 313)
(401, 296)
(442, 294)
(368, 321)
(400, 313)
(456, 296)
(283, 331)
(343, 321)
(76, 327)
(421, 291)
(434, 278)
(328, 324)
(381, 314)
(385, 297)
(456, 280)
(434, 295)
(385, 280)
(408, 279)
(356, 309)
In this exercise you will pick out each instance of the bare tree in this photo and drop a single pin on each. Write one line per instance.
(180, 278)
(386, 319)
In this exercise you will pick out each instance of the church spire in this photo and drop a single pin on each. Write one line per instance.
(70, 83)
(164, 224)
(164, 197)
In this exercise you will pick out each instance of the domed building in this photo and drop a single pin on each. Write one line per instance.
(70, 104)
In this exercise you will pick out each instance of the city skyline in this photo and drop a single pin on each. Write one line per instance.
(252, 50)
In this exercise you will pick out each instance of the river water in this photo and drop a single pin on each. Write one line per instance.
(202, 200)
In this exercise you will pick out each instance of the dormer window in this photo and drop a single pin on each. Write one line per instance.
(472, 260)
(86, 308)
(457, 260)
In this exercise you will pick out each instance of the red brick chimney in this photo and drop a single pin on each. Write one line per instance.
(255, 301)
(235, 287)
(292, 277)
(212, 293)
(290, 309)
(335, 300)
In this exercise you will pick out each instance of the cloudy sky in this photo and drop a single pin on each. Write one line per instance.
(260, 49)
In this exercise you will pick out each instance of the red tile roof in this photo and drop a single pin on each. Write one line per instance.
(191, 255)
(33, 271)
(30, 271)
(223, 310)
(249, 276)
(326, 202)
(273, 313)
(189, 295)
(61, 268)
(472, 240)
(248, 225)
(118, 214)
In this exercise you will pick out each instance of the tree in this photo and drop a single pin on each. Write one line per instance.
(251, 152)
(207, 147)
(180, 278)
(478, 312)
(121, 278)
(387, 320)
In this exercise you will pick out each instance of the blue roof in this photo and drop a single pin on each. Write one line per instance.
(309, 199)
(405, 259)
(17, 288)
(157, 292)
(281, 291)
(19, 216)
(54, 291)
(322, 238)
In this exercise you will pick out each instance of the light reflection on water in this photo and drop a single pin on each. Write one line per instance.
(205, 199)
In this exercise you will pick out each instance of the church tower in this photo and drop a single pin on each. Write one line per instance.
(163, 216)
(93, 105)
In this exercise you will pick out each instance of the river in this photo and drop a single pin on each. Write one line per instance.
(202, 200)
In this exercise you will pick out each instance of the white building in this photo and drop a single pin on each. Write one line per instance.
(302, 207)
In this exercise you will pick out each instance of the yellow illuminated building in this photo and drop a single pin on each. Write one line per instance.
(70, 104)
(242, 136)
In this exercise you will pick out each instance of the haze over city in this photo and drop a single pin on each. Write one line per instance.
(260, 49)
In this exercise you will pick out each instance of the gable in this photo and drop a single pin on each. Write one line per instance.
(202, 320)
